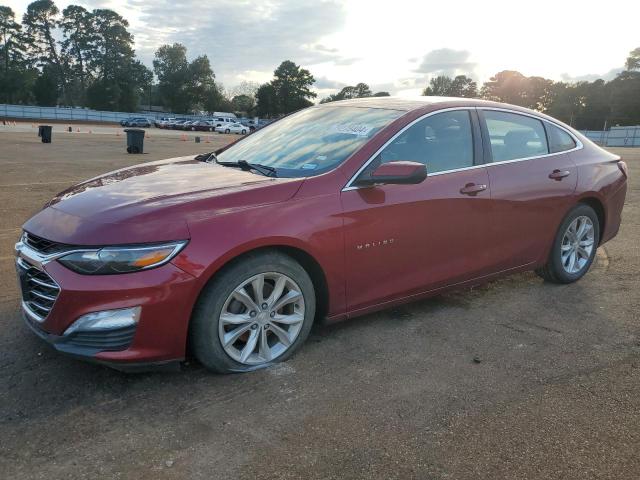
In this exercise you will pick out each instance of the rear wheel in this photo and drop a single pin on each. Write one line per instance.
(227, 131)
(256, 313)
(574, 247)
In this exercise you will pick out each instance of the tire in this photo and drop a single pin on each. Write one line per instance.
(227, 131)
(244, 132)
(559, 267)
(207, 328)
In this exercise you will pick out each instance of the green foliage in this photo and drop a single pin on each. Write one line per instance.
(267, 102)
(443, 86)
(185, 86)
(287, 92)
(361, 90)
(633, 61)
(243, 103)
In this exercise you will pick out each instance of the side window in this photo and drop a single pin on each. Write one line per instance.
(442, 142)
(559, 140)
(514, 136)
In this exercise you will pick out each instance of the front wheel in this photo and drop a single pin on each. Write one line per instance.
(227, 131)
(574, 247)
(255, 313)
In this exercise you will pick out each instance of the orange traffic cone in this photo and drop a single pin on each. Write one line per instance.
(117, 133)
(78, 130)
(90, 131)
(207, 138)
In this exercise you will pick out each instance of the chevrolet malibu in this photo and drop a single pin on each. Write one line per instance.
(329, 213)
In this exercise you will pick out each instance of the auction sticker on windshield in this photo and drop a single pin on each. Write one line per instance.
(357, 129)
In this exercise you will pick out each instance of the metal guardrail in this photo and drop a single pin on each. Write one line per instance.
(615, 137)
(88, 115)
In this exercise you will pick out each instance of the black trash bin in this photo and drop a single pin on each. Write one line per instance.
(44, 132)
(135, 140)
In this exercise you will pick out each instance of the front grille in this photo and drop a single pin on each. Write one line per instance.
(39, 290)
(42, 245)
(111, 340)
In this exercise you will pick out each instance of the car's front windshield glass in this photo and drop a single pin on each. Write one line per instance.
(311, 141)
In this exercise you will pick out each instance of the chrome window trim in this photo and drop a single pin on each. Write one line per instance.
(579, 145)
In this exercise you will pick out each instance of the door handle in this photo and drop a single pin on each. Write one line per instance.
(559, 174)
(472, 189)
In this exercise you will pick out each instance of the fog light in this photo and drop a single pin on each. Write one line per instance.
(105, 320)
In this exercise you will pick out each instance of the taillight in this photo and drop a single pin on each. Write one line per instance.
(623, 168)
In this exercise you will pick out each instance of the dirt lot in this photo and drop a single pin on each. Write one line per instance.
(554, 392)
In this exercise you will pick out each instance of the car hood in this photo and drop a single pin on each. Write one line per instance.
(153, 202)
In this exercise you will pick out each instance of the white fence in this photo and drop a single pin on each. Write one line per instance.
(87, 115)
(615, 137)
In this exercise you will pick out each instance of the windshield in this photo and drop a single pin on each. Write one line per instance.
(311, 141)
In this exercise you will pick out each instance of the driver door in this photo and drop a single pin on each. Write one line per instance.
(404, 240)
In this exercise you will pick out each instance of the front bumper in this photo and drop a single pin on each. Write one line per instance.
(165, 294)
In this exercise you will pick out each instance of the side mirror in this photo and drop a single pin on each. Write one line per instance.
(397, 173)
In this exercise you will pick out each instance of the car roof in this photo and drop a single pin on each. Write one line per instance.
(408, 104)
(426, 104)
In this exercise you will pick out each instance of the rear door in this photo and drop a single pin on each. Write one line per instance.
(532, 179)
(402, 240)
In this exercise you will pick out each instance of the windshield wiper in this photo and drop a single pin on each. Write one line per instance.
(207, 157)
(265, 170)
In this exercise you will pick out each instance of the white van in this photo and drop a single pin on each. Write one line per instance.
(220, 121)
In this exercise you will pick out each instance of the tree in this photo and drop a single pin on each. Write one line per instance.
(216, 101)
(633, 61)
(16, 78)
(463, 86)
(438, 86)
(443, 86)
(245, 88)
(243, 103)
(185, 86)
(292, 87)
(200, 80)
(79, 50)
(121, 80)
(40, 21)
(267, 101)
(507, 86)
(360, 90)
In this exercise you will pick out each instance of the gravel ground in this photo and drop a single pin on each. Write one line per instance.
(517, 379)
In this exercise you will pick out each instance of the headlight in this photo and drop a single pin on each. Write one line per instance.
(112, 260)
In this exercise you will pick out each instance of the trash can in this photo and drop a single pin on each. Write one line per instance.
(135, 140)
(44, 132)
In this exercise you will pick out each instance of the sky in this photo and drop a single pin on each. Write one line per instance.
(395, 46)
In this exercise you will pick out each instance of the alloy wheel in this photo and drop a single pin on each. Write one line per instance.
(577, 244)
(261, 318)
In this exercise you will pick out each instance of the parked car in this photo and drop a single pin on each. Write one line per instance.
(177, 124)
(203, 126)
(329, 213)
(163, 122)
(136, 122)
(232, 128)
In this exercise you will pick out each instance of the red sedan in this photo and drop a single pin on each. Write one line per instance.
(332, 212)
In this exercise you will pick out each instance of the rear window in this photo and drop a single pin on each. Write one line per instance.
(515, 136)
(559, 140)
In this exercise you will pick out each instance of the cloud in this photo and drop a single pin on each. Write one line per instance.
(323, 83)
(590, 77)
(446, 61)
(241, 35)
